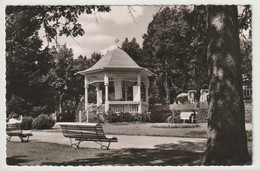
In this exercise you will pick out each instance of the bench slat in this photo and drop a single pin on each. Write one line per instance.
(85, 132)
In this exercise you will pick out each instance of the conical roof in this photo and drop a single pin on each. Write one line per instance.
(116, 60)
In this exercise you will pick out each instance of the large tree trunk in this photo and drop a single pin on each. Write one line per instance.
(227, 141)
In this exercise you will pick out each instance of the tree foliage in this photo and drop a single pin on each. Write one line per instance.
(245, 31)
(27, 62)
(133, 49)
(175, 44)
(56, 20)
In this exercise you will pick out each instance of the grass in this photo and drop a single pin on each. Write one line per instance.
(187, 130)
(169, 154)
(176, 125)
(37, 153)
(157, 129)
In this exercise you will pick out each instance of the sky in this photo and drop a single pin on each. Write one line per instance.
(102, 29)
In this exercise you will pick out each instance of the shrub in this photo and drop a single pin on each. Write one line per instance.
(112, 117)
(159, 116)
(174, 117)
(146, 117)
(202, 116)
(125, 117)
(43, 122)
(27, 123)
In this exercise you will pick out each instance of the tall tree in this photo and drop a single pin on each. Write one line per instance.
(245, 32)
(60, 75)
(227, 141)
(134, 50)
(26, 60)
(175, 42)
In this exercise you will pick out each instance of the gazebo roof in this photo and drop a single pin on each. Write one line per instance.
(115, 60)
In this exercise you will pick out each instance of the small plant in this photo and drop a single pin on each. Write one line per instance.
(113, 117)
(27, 123)
(43, 122)
(146, 117)
(174, 118)
(125, 117)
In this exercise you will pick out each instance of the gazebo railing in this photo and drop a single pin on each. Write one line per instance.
(91, 110)
(124, 106)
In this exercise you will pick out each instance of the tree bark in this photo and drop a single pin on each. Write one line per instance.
(226, 141)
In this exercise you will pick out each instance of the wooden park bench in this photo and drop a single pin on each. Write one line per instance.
(187, 116)
(14, 129)
(86, 132)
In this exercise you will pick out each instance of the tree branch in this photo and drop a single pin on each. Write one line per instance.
(130, 11)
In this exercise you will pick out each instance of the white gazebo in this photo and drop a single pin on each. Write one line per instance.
(117, 70)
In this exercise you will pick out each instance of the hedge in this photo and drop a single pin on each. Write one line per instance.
(43, 122)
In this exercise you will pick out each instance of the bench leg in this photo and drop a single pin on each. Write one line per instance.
(108, 145)
(75, 144)
(104, 146)
(21, 138)
(24, 138)
(27, 138)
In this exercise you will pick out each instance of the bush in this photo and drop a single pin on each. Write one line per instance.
(112, 117)
(146, 117)
(27, 123)
(202, 116)
(174, 117)
(43, 122)
(159, 116)
(125, 117)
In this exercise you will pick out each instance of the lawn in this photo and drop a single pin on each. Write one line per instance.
(158, 129)
(152, 129)
(186, 130)
(169, 154)
(42, 153)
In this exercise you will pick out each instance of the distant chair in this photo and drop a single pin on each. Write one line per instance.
(247, 92)
(204, 95)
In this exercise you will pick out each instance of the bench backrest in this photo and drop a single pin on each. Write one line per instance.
(13, 127)
(83, 131)
(185, 115)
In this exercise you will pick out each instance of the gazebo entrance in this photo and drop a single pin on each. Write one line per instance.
(121, 85)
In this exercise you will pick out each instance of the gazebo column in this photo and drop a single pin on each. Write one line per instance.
(98, 94)
(139, 93)
(146, 93)
(106, 83)
(126, 88)
(86, 92)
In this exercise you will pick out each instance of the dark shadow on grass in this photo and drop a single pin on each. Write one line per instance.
(184, 153)
(196, 134)
(16, 160)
